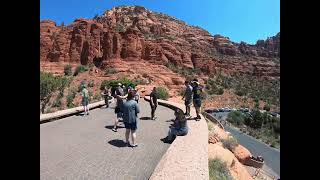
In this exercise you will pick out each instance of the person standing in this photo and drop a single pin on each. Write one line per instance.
(130, 111)
(85, 99)
(197, 90)
(106, 95)
(136, 95)
(119, 96)
(153, 102)
(187, 97)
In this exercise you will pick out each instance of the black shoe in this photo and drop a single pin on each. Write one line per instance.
(168, 141)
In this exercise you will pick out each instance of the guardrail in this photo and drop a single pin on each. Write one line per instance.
(187, 156)
(211, 118)
(67, 112)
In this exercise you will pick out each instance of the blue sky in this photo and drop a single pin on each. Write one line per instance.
(240, 20)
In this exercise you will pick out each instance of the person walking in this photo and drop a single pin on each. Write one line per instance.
(106, 95)
(153, 102)
(130, 111)
(119, 94)
(187, 98)
(85, 99)
(197, 98)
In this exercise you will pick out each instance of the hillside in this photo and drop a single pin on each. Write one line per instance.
(162, 49)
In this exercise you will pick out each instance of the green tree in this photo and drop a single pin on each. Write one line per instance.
(48, 84)
(162, 93)
(68, 70)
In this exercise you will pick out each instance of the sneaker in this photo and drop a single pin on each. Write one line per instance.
(114, 130)
(154, 118)
(134, 145)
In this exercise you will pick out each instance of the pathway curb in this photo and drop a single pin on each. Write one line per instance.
(67, 112)
(187, 156)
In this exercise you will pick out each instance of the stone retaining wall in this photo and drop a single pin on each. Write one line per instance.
(67, 112)
(187, 156)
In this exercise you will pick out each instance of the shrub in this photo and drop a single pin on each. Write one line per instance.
(113, 83)
(68, 70)
(231, 143)
(48, 84)
(62, 83)
(70, 98)
(218, 170)
(91, 83)
(162, 93)
(80, 69)
(57, 103)
(110, 71)
(97, 96)
(120, 28)
(267, 107)
(236, 118)
(145, 75)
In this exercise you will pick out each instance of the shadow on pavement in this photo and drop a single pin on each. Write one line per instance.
(118, 143)
(170, 120)
(80, 114)
(145, 118)
(110, 127)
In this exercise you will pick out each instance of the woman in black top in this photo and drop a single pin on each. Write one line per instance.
(153, 103)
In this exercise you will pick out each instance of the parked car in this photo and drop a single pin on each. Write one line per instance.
(226, 109)
(233, 109)
(215, 110)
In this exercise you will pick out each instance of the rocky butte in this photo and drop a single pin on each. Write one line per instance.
(133, 33)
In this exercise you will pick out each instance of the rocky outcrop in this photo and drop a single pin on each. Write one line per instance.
(133, 33)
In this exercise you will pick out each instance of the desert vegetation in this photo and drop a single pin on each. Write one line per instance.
(259, 125)
(267, 90)
(218, 170)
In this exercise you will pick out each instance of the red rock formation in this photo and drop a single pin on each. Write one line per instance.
(133, 33)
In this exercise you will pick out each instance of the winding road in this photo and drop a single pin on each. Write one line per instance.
(85, 147)
(270, 155)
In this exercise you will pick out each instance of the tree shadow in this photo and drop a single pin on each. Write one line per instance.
(118, 143)
(145, 118)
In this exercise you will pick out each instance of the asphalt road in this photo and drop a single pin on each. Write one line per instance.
(85, 147)
(256, 147)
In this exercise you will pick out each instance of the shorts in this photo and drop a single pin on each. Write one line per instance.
(188, 102)
(197, 103)
(85, 102)
(132, 126)
(119, 115)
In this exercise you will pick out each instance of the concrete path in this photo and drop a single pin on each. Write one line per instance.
(79, 147)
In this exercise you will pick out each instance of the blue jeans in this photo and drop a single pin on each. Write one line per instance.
(176, 132)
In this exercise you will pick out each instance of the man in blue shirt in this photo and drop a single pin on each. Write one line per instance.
(130, 110)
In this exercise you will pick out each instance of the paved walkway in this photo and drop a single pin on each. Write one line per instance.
(79, 147)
